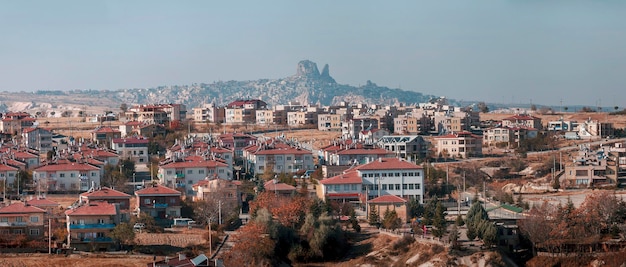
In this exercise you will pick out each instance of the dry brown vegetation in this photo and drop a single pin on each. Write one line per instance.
(44, 260)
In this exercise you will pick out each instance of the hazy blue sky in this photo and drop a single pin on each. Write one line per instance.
(497, 51)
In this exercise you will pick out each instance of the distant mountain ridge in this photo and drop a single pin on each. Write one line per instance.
(308, 86)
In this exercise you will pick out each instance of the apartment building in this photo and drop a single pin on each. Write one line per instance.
(243, 111)
(349, 152)
(21, 219)
(159, 202)
(14, 122)
(522, 120)
(135, 149)
(37, 138)
(409, 147)
(89, 226)
(279, 156)
(385, 176)
(156, 114)
(218, 189)
(105, 135)
(459, 145)
(350, 129)
(65, 176)
(209, 113)
(508, 135)
(183, 173)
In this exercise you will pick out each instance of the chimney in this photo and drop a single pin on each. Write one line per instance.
(380, 159)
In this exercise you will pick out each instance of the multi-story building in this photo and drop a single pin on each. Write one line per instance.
(209, 113)
(329, 122)
(385, 176)
(89, 225)
(66, 176)
(350, 129)
(409, 147)
(135, 149)
(243, 111)
(218, 189)
(460, 145)
(182, 173)
(14, 122)
(372, 136)
(105, 134)
(522, 120)
(604, 166)
(278, 156)
(159, 202)
(37, 138)
(20, 219)
(349, 153)
(508, 135)
(8, 175)
(236, 141)
(303, 117)
(156, 114)
(108, 195)
(51, 207)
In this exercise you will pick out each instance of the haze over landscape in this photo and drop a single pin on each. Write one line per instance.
(504, 52)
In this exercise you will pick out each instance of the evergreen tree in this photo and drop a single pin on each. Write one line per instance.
(374, 218)
(439, 221)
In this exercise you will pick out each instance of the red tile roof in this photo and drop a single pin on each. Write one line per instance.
(20, 207)
(388, 199)
(388, 164)
(194, 162)
(67, 167)
(130, 140)
(362, 151)
(106, 130)
(42, 202)
(458, 135)
(285, 151)
(93, 208)
(104, 193)
(347, 178)
(157, 190)
(4, 168)
(271, 186)
(520, 118)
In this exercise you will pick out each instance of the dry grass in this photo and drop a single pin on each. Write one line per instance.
(44, 260)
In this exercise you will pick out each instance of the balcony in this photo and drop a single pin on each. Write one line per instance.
(160, 205)
(180, 175)
(7, 224)
(92, 226)
(91, 239)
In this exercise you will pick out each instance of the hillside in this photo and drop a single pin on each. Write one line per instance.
(307, 85)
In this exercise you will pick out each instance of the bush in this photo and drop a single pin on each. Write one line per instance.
(402, 244)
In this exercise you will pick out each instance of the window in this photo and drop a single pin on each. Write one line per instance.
(34, 219)
(353, 187)
(384, 187)
(72, 175)
(61, 175)
(190, 182)
(404, 186)
(397, 186)
(201, 172)
(93, 173)
(19, 219)
(288, 158)
(411, 186)
(4, 219)
(100, 221)
(417, 186)
(172, 200)
(189, 171)
(221, 171)
(336, 187)
(146, 201)
(346, 187)
(397, 174)
(169, 172)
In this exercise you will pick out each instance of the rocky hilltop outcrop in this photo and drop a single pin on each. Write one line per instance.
(307, 85)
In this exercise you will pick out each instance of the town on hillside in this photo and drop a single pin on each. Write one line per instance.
(291, 184)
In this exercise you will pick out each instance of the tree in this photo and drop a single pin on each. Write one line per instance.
(459, 221)
(391, 220)
(123, 233)
(453, 236)
(439, 221)
(374, 218)
(123, 107)
(482, 107)
(415, 208)
(254, 247)
(148, 221)
(533, 107)
(475, 215)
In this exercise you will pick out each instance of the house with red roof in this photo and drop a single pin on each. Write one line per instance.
(384, 176)
(275, 154)
(509, 135)
(209, 113)
(110, 196)
(49, 206)
(156, 113)
(182, 173)
(14, 122)
(346, 187)
(372, 136)
(105, 134)
(133, 148)
(159, 202)
(522, 120)
(29, 159)
(279, 188)
(350, 152)
(21, 219)
(89, 225)
(236, 142)
(219, 189)
(389, 202)
(37, 138)
(66, 176)
(8, 175)
(459, 145)
(243, 111)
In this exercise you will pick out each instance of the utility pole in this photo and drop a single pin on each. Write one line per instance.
(219, 211)
(49, 236)
(210, 239)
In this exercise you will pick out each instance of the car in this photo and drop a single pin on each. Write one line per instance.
(139, 226)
